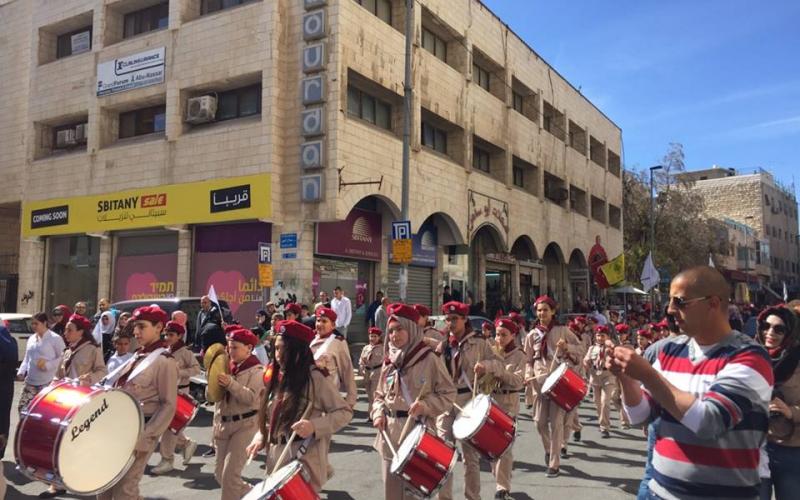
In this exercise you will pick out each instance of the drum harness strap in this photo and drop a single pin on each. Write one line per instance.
(112, 377)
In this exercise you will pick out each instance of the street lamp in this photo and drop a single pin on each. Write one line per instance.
(653, 233)
(747, 253)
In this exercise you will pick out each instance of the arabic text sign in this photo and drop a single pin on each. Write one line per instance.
(265, 275)
(131, 72)
(401, 251)
(242, 198)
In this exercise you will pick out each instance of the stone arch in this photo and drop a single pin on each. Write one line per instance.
(491, 236)
(577, 260)
(524, 249)
(448, 231)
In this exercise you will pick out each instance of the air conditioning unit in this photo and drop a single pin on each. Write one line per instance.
(65, 138)
(81, 132)
(201, 109)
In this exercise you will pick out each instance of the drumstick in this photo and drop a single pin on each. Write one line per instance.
(475, 385)
(389, 442)
(289, 441)
(422, 393)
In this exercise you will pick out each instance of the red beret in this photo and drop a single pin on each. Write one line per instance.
(296, 330)
(622, 328)
(325, 312)
(581, 320)
(663, 323)
(455, 307)
(573, 325)
(422, 310)
(243, 335)
(174, 326)
(644, 333)
(293, 308)
(601, 329)
(153, 314)
(507, 323)
(81, 323)
(403, 311)
(544, 299)
(374, 330)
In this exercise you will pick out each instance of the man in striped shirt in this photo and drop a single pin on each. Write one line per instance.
(709, 388)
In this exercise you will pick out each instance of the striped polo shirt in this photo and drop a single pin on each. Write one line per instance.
(713, 451)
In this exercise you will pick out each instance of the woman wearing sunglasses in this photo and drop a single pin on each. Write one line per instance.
(777, 332)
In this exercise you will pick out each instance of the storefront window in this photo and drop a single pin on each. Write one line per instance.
(498, 288)
(353, 277)
(72, 271)
(146, 267)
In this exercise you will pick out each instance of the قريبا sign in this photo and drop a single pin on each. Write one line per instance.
(131, 72)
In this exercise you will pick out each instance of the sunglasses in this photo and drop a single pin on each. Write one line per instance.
(779, 329)
(681, 303)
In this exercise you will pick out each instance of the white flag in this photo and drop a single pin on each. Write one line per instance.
(785, 293)
(212, 294)
(650, 276)
(710, 261)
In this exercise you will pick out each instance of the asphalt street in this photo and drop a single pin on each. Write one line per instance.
(597, 468)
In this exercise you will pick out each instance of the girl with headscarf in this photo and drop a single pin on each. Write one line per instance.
(61, 316)
(104, 330)
(414, 383)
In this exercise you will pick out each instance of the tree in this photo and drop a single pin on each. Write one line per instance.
(684, 235)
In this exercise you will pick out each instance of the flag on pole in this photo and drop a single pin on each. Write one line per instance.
(212, 294)
(650, 276)
(785, 293)
(710, 261)
(614, 271)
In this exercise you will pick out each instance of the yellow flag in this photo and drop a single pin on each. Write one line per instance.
(614, 270)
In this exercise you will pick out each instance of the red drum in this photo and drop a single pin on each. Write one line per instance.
(185, 411)
(424, 461)
(565, 387)
(486, 426)
(79, 438)
(290, 482)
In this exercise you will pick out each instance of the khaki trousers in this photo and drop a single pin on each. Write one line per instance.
(231, 440)
(127, 488)
(169, 441)
(394, 488)
(549, 419)
(371, 379)
(603, 394)
(472, 457)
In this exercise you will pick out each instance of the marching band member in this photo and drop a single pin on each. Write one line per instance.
(572, 422)
(155, 386)
(603, 382)
(623, 339)
(83, 358)
(369, 364)
(332, 353)
(413, 384)
(234, 415)
(545, 345)
(299, 397)
(431, 335)
(511, 374)
(643, 340)
(623, 334)
(462, 350)
(187, 368)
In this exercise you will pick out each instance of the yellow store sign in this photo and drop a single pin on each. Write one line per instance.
(217, 200)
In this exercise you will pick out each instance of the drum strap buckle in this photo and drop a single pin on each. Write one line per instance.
(303, 448)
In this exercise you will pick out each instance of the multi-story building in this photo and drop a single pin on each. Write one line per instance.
(769, 209)
(744, 258)
(154, 144)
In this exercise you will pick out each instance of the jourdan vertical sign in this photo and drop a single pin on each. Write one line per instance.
(312, 96)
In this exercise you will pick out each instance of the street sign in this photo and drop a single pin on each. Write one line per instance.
(288, 240)
(265, 275)
(401, 251)
(401, 230)
(289, 255)
(264, 253)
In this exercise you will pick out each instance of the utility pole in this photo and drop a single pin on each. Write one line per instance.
(408, 94)
(653, 235)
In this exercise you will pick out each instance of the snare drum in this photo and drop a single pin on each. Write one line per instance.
(79, 438)
(565, 387)
(185, 411)
(424, 461)
(486, 426)
(290, 482)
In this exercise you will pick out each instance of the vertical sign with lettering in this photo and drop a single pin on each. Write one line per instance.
(312, 97)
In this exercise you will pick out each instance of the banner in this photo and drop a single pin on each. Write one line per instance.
(138, 277)
(614, 271)
(234, 277)
(131, 72)
(216, 200)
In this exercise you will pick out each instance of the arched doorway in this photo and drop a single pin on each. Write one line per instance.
(579, 281)
(490, 272)
(529, 271)
(555, 269)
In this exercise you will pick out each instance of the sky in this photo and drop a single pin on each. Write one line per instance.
(721, 77)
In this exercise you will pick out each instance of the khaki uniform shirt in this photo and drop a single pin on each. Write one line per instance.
(475, 348)
(510, 374)
(187, 365)
(337, 361)
(243, 395)
(538, 365)
(86, 359)
(597, 375)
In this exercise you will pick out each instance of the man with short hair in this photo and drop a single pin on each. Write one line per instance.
(369, 318)
(324, 301)
(708, 391)
(343, 309)
(80, 308)
(382, 314)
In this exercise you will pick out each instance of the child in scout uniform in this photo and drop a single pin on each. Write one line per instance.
(461, 351)
(187, 367)
(623, 339)
(546, 346)
(413, 384)
(370, 363)
(643, 340)
(235, 416)
(299, 397)
(431, 335)
(603, 382)
(332, 353)
(511, 375)
(155, 386)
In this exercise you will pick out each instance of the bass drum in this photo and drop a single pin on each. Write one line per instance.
(79, 438)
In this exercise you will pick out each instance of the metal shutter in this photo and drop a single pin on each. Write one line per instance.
(420, 284)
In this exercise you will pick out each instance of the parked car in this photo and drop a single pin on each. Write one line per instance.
(189, 305)
(20, 327)
(476, 322)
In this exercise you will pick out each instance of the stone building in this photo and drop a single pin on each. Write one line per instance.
(756, 203)
(154, 144)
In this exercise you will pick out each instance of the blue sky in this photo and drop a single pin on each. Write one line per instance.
(722, 77)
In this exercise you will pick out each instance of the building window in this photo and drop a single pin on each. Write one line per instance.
(211, 6)
(69, 136)
(480, 159)
(239, 103)
(434, 138)
(434, 44)
(74, 42)
(142, 121)
(369, 108)
(480, 76)
(517, 101)
(148, 19)
(382, 9)
(519, 176)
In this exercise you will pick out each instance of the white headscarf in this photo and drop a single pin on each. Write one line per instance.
(100, 329)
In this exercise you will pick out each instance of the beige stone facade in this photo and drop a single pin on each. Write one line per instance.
(545, 183)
